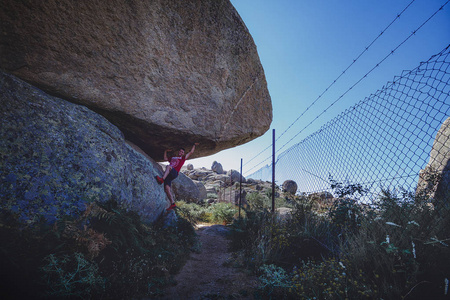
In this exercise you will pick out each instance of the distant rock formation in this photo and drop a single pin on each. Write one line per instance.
(290, 186)
(57, 156)
(214, 187)
(217, 167)
(167, 73)
(434, 179)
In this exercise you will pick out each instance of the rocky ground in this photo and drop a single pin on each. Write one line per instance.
(209, 273)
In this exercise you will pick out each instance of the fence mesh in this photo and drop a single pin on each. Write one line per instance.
(383, 142)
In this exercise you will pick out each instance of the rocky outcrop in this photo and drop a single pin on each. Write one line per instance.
(57, 156)
(222, 187)
(198, 174)
(167, 73)
(434, 179)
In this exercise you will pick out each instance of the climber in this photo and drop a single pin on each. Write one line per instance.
(172, 170)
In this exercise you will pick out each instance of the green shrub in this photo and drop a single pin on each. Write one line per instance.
(71, 275)
(223, 212)
(213, 213)
(274, 282)
(211, 196)
(400, 243)
(245, 237)
(257, 201)
(107, 252)
(263, 238)
(346, 214)
(396, 248)
(263, 200)
(346, 189)
(331, 279)
(194, 212)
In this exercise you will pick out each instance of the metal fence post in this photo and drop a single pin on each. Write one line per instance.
(273, 170)
(240, 191)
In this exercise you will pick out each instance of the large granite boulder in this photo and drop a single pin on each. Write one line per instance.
(290, 187)
(57, 156)
(217, 167)
(167, 73)
(202, 193)
(236, 176)
(434, 179)
(188, 190)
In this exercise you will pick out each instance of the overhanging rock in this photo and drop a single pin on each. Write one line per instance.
(167, 73)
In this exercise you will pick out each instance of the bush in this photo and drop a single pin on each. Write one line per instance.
(263, 200)
(212, 213)
(401, 244)
(258, 201)
(397, 248)
(346, 214)
(107, 252)
(331, 279)
(274, 282)
(262, 238)
(193, 212)
(71, 275)
(223, 212)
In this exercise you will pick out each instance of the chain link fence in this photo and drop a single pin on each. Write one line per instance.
(383, 142)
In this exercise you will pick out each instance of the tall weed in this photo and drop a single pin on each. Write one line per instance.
(397, 248)
(107, 252)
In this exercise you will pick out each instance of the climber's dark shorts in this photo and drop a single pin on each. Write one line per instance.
(172, 175)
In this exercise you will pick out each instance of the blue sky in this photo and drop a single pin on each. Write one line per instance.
(305, 45)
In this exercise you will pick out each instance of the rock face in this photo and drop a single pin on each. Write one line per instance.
(167, 73)
(57, 156)
(434, 180)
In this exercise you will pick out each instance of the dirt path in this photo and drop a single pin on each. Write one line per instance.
(207, 275)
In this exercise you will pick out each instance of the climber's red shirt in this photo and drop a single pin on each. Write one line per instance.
(177, 162)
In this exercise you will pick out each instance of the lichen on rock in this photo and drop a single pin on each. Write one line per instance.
(58, 156)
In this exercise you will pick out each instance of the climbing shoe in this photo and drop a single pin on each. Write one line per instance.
(159, 179)
(172, 206)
